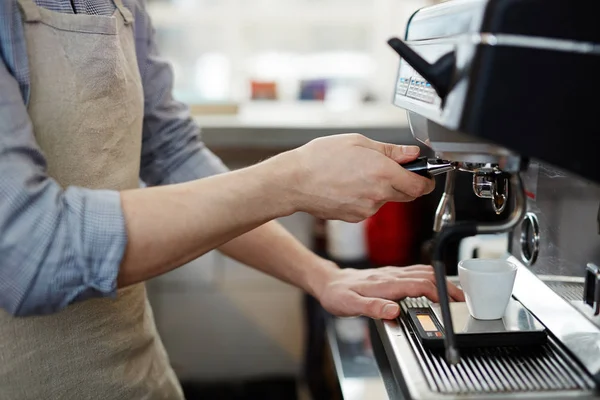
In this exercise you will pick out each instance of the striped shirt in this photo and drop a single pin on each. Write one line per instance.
(59, 246)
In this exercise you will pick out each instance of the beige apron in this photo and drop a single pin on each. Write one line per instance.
(86, 106)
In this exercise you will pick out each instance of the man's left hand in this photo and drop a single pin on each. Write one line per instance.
(374, 292)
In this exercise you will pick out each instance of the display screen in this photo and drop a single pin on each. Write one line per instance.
(427, 323)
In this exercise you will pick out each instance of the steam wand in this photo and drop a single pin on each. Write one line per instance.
(461, 230)
(445, 214)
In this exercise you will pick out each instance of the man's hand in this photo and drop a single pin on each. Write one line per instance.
(373, 292)
(348, 177)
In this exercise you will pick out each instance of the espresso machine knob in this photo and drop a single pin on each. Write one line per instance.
(530, 239)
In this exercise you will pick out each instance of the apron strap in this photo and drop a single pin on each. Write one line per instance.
(127, 16)
(30, 10)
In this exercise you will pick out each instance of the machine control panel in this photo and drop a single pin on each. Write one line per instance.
(412, 85)
(421, 90)
(403, 84)
(416, 88)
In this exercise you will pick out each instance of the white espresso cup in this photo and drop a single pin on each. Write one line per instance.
(488, 285)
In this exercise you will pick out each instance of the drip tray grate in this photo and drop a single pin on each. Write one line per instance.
(499, 369)
(570, 291)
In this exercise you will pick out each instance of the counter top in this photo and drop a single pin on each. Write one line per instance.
(284, 125)
(307, 115)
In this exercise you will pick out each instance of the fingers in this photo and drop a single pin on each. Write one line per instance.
(394, 288)
(394, 195)
(374, 292)
(375, 307)
(424, 272)
(412, 184)
(407, 185)
(409, 268)
(399, 153)
(401, 185)
(405, 182)
(455, 293)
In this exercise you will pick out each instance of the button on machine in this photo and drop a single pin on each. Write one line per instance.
(416, 88)
(403, 84)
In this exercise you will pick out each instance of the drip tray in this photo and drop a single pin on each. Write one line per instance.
(541, 368)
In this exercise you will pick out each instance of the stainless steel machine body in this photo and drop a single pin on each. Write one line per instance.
(497, 87)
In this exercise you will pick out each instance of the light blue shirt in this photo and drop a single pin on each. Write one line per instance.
(59, 246)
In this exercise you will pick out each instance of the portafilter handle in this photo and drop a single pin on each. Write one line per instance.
(429, 167)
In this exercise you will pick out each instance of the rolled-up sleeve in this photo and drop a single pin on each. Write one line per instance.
(172, 150)
(57, 246)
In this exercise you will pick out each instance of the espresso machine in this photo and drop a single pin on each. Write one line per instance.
(503, 90)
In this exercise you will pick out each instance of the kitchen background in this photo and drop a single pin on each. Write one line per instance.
(264, 76)
(232, 51)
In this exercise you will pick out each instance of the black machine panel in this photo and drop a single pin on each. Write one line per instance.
(561, 19)
(515, 99)
(521, 74)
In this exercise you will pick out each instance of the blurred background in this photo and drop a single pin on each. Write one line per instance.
(261, 77)
(231, 52)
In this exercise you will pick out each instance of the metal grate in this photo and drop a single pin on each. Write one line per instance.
(499, 369)
(570, 291)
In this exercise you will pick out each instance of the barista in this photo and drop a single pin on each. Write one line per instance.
(86, 110)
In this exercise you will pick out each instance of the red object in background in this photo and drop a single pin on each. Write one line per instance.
(392, 234)
(264, 90)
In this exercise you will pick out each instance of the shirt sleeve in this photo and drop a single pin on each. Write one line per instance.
(57, 245)
(172, 150)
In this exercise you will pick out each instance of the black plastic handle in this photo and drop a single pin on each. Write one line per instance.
(438, 74)
(418, 166)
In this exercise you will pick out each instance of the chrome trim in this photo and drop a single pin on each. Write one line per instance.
(398, 345)
(558, 278)
(403, 360)
(564, 319)
(503, 39)
(438, 166)
(517, 214)
(445, 213)
(485, 186)
(532, 42)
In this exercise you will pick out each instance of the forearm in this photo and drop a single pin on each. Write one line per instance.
(271, 249)
(171, 225)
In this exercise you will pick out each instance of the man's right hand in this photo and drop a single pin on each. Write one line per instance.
(348, 177)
